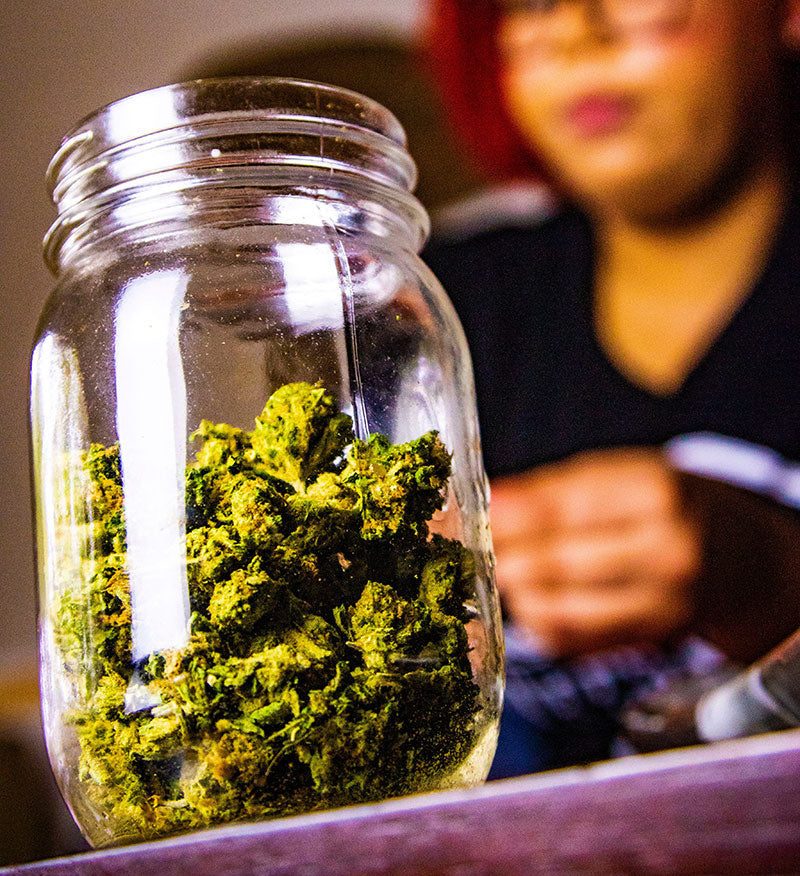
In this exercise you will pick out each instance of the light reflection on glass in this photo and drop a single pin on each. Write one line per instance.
(60, 433)
(60, 429)
(312, 293)
(151, 425)
(132, 117)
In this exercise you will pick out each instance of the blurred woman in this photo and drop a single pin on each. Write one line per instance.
(658, 300)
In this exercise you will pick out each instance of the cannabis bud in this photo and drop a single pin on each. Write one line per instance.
(327, 659)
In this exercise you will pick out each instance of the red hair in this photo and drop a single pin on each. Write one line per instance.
(461, 46)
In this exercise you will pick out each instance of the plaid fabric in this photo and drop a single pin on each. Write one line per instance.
(560, 713)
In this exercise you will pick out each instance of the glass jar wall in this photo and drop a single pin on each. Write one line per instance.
(265, 566)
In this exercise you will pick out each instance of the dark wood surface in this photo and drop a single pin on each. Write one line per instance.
(729, 808)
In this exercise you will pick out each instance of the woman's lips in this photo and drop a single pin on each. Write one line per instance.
(596, 115)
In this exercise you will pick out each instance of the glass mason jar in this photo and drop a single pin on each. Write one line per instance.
(266, 579)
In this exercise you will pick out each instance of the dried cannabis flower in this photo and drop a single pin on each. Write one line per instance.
(328, 660)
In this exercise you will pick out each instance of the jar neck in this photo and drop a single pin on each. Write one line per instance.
(247, 150)
(179, 205)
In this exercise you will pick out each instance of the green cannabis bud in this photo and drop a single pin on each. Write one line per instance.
(327, 660)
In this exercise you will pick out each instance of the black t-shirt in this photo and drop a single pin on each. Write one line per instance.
(545, 387)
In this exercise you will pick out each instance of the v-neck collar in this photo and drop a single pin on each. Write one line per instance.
(586, 275)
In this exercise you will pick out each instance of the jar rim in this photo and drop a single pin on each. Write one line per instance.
(197, 104)
(225, 128)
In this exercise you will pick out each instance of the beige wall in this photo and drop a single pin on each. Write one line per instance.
(60, 60)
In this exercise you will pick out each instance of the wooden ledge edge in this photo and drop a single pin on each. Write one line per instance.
(713, 808)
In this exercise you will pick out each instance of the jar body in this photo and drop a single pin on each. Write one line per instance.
(266, 581)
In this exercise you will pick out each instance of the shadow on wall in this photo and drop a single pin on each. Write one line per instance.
(34, 821)
(390, 72)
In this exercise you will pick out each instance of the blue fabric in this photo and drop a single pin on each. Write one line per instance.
(560, 713)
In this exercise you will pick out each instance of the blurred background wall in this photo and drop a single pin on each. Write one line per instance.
(58, 62)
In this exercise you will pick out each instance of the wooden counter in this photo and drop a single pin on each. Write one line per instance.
(729, 808)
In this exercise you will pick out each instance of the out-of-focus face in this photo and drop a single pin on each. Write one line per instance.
(645, 119)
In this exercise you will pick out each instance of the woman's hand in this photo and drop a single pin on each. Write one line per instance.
(596, 551)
